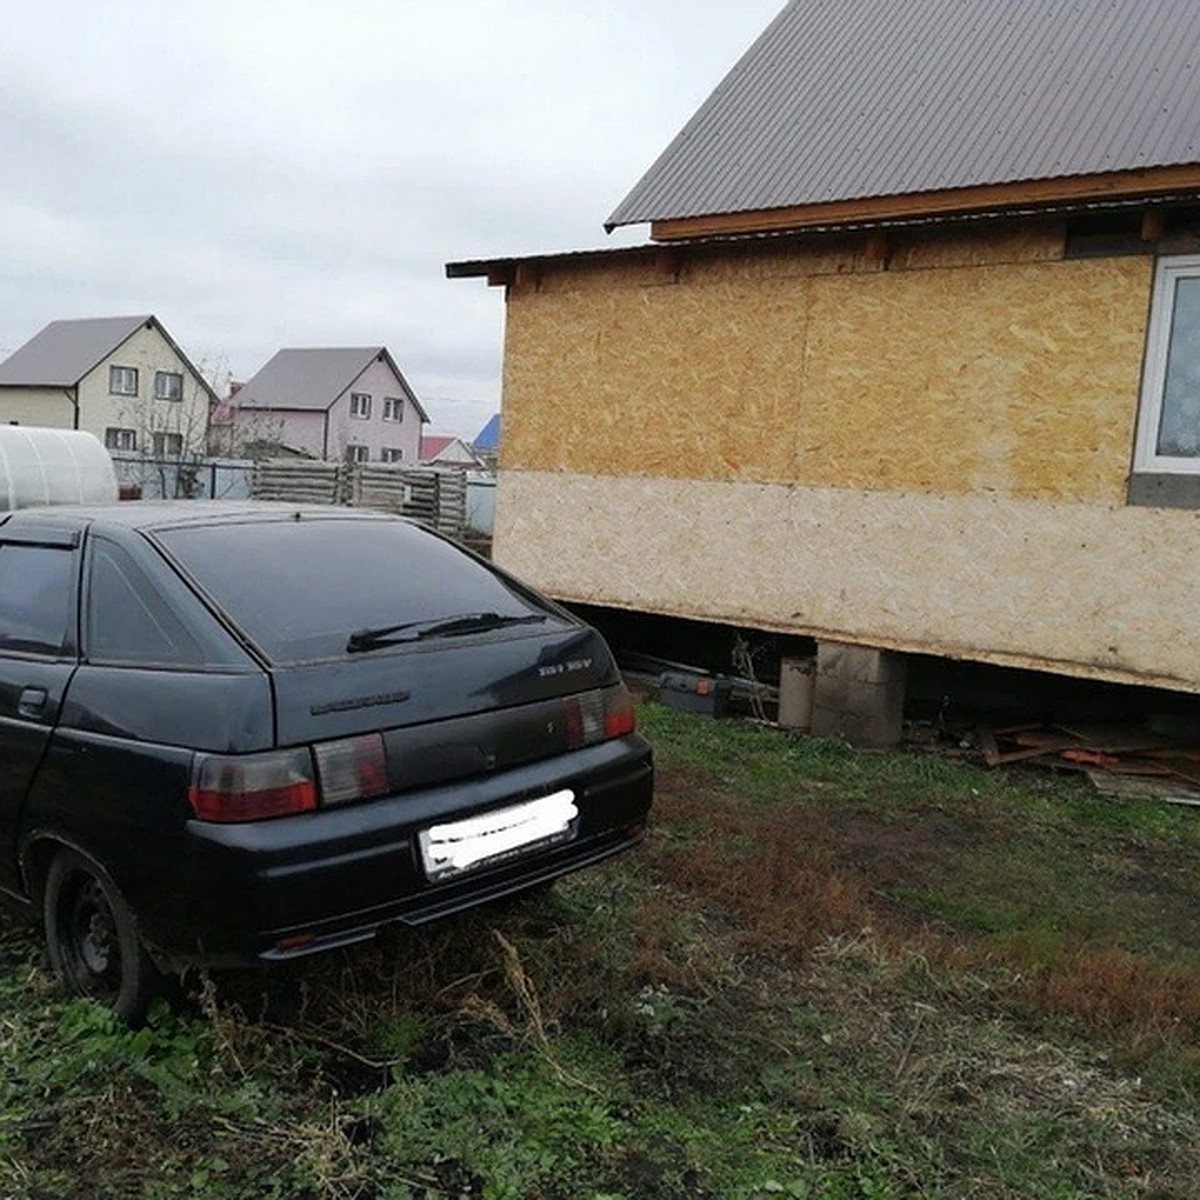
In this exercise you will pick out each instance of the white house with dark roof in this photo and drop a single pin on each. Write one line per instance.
(913, 354)
(333, 403)
(124, 379)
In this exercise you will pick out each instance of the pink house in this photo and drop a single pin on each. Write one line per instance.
(345, 403)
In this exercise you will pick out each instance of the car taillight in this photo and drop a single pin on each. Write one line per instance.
(619, 717)
(599, 716)
(252, 787)
(351, 769)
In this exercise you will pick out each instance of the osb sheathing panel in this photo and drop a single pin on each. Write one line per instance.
(664, 380)
(1100, 591)
(922, 251)
(1007, 371)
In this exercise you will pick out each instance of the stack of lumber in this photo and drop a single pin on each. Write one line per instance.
(383, 486)
(298, 482)
(436, 498)
(451, 502)
(1119, 761)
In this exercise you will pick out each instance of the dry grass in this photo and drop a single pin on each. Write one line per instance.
(795, 875)
(758, 865)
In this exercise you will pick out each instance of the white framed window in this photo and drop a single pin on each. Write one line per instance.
(120, 439)
(1168, 438)
(122, 381)
(168, 445)
(391, 454)
(357, 453)
(393, 408)
(360, 405)
(168, 385)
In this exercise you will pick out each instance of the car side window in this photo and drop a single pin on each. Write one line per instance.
(36, 598)
(128, 621)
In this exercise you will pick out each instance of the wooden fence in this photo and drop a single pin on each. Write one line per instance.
(434, 496)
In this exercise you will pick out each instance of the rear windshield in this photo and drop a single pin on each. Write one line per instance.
(299, 588)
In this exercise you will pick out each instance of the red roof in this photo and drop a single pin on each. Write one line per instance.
(433, 445)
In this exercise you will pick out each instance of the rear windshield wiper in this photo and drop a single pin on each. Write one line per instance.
(415, 631)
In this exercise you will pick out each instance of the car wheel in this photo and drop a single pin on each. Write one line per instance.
(93, 939)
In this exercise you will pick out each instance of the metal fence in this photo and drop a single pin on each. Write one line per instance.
(191, 479)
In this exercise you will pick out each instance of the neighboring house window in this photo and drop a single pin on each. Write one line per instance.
(120, 439)
(356, 453)
(168, 385)
(392, 454)
(360, 405)
(1169, 425)
(393, 409)
(122, 381)
(168, 445)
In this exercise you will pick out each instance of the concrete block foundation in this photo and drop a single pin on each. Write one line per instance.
(859, 694)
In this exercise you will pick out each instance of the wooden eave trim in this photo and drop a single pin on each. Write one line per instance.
(1154, 181)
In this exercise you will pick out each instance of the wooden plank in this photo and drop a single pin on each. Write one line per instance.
(878, 248)
(1113, 739)
(1184, 768)
(1013, 756)
(1120, 787)
(987, 743)
(1154, 181)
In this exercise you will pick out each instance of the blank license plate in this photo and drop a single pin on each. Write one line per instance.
(458, 846)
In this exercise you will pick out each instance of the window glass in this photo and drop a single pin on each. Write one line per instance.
(168, 385)
(1179, 427)
(128, 620)
(123, 381)
(36, 594)
(298, 589)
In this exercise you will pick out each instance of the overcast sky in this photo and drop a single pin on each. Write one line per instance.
(267, 173)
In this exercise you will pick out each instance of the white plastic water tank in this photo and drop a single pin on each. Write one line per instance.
(53, 466)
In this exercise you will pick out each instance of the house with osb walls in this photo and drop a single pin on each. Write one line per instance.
(909, 365)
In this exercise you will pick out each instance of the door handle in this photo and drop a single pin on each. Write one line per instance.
(32, 702)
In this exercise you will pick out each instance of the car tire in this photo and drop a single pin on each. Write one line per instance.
(93, 939)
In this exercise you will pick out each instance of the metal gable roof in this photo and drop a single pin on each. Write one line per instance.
(65, 351)
(488, 438)
(311, 379)
(849, 99)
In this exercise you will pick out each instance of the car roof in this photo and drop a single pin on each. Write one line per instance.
(166, 514)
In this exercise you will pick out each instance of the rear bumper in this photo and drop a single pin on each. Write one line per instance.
(277, 889)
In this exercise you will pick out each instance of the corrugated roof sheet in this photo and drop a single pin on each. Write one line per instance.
(848, 99)
(65, 351)
(311, 379)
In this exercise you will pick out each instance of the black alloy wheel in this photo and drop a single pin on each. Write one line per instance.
(92, 937)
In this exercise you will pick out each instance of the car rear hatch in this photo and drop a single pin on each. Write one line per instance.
(450, 711)
(375, 626)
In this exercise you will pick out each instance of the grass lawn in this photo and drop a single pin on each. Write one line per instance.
(826, 974)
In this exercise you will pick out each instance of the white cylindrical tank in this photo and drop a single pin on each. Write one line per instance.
(53, 466)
